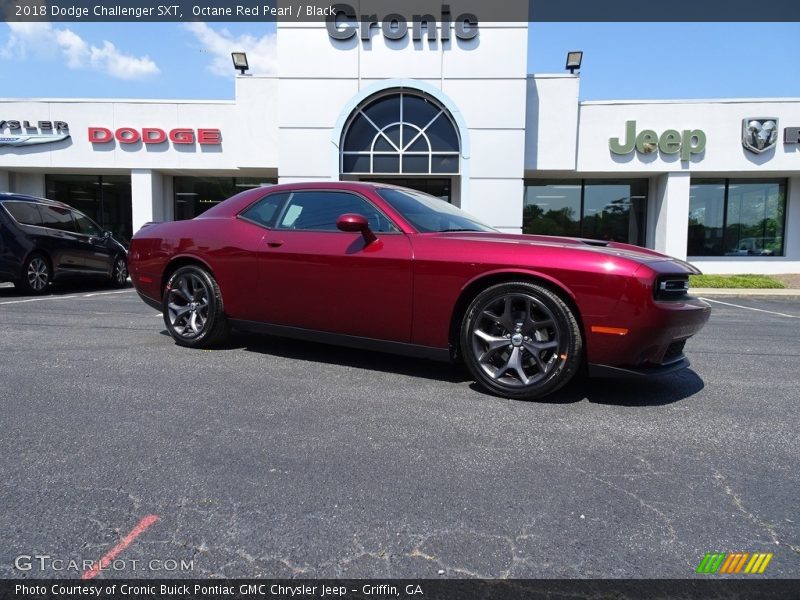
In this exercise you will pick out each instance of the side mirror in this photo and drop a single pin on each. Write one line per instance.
(354, 222)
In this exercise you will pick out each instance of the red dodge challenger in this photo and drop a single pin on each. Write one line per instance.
(390, 269)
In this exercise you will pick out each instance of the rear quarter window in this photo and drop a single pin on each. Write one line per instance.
(56, 218)
(24, 213)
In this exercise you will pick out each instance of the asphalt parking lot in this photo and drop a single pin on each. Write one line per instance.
(285, 459)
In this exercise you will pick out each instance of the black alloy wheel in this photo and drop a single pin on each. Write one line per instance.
(36, 275)
(119, 272)
(521, 340)
(192, 307)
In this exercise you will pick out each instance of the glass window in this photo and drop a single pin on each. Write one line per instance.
(737, 217)
(25, 213)
(56, 218)
(427, 185)
(552, 209)
(428, 214)
(400, 125)
(755, 219)
(105, 199)
(319, 211)
(614, 210)
(195, 195)
(85, 225)
(265, 210)
(706, 218)
(600, 209)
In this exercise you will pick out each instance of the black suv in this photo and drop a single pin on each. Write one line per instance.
(43, 241)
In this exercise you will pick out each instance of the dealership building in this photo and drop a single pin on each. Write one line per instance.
(448, 109)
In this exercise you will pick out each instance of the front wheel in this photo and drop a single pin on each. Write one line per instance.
(521, 340)
(119, 272)
(192, 307)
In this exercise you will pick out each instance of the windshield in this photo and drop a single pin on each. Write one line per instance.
(429, 214)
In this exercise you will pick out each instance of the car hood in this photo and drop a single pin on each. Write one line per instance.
(604, 247)
(617, 249)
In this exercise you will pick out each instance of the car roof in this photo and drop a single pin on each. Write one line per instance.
(8, 196)
(329, 185)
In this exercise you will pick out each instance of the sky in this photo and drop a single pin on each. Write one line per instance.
(192, 60)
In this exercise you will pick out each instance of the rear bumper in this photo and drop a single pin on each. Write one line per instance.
(150, 301)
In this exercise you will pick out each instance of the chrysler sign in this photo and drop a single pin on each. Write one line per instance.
(17, 133)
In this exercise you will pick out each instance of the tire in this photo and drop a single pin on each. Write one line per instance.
(119, 272)
(37, 274)
(192, 308)
(520, 340)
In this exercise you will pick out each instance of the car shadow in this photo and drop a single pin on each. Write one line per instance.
(339, 355)
(64, 288)
(656, 391)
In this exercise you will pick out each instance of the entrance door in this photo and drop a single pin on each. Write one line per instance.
(435, 186)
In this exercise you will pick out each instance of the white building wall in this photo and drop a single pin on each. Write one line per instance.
(248, 127)
(551, 123)
(721, 120)
(31, 184)
(4, 181)
(147, 197)
(670, 214)
(485, 78)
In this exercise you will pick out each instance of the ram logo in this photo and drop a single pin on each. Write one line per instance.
(759, 134)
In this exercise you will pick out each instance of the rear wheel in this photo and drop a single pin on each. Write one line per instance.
(36, 275)
(192, 307)
(521, 340)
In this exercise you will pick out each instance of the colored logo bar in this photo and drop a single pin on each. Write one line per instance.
(734, 563)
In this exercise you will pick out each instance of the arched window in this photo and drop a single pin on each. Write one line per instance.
(400, 133)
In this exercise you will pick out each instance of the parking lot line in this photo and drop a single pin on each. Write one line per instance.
(771, 312)
(123, 543)
(64, 297)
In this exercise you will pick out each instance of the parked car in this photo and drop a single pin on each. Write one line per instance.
(386, 268)
(42, 241)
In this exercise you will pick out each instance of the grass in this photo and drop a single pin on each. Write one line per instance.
(735, 281)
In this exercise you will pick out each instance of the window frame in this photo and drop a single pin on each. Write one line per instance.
(402, 150)
(278, 212)
(14, 219)
(726, 181)
(581, 183)
(74, 230)
(281, 212)
(76, 213)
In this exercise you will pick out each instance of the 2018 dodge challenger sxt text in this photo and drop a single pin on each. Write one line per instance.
(382, 267)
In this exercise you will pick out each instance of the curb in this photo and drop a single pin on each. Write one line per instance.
(745, 292)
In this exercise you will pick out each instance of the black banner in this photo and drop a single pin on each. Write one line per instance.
(320, 589)
(319, 10)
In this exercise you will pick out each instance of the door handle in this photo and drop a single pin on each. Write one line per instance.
(274, 243)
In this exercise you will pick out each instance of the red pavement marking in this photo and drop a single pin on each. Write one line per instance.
(123, 543)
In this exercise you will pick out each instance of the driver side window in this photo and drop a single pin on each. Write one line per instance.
(319, 210)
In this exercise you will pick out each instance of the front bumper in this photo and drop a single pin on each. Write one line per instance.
(654, 340)
(640, 372)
